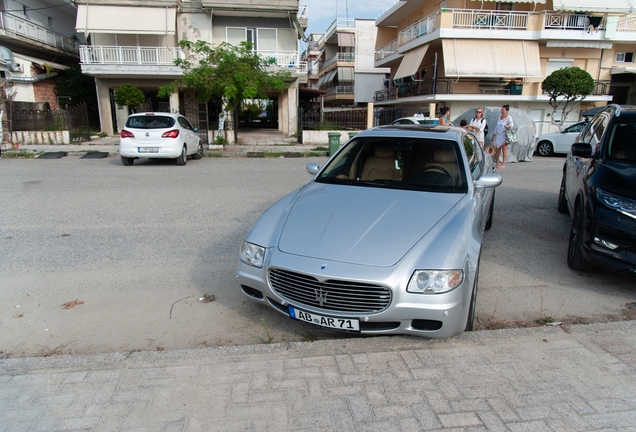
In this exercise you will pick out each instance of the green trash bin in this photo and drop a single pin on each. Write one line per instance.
(352, 134)
(334, 142)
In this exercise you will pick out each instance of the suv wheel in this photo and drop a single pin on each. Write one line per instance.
(575, 245)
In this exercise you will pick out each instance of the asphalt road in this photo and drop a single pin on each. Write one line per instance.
(140, 245)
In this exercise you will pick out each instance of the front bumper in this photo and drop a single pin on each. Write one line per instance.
(611, 228)
(428, 315)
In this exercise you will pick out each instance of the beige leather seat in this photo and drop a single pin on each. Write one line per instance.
(381, 166)
(447, 159)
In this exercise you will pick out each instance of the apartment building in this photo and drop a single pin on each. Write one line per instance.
(465, 53)
(37, 40)
(346, 69)
(137, 42)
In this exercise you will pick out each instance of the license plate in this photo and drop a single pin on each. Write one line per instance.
(347, 324)
(148, 149)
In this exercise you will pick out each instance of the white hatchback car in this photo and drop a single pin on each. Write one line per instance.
(159, 136)
(559, 142)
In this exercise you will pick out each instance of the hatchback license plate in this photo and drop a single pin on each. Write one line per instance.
(348, 324)
(148, 149)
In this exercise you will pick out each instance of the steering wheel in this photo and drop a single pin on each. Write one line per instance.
(439, 169)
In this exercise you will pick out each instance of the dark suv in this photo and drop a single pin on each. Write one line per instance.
(599, 191)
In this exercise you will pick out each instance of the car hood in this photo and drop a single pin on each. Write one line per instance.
(360, 225)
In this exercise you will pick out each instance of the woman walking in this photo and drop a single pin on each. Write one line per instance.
(504, 122)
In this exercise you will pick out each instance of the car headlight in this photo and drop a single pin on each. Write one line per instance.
(252, 254)
(622, 205)
(435, 281)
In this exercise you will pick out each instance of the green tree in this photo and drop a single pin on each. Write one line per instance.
(569, 85)
(72, 83)
(227, 72)
(130, 96)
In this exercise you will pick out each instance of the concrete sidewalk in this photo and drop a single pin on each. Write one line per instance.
(580, 378)
(252, 145)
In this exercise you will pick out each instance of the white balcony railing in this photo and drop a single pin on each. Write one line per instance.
(505, 20)
(339, 57)
(26, 28)
(565, 21)
(131, 55)
(627, 23)
(419, 29)
(285, 60)
(338, 22)
(302, 11)
(386, 50)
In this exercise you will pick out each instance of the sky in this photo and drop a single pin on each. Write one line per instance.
(321, 13)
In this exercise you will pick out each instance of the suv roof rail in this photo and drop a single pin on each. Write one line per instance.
(618, 109)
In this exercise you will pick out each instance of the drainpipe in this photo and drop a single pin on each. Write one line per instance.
(7, 55)
(33, 79)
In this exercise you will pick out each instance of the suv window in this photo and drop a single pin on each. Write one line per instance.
(594, 133)
(621, 142)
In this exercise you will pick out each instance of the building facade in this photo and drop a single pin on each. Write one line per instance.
(137, 42)
(464, 54)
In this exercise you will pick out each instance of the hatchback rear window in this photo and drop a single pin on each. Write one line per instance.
(150, 122)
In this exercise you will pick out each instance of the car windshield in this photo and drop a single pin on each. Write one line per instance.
(622, 145)
(150, 122)
(422, 164)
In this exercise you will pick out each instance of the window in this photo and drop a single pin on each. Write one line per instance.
(236, 35)
(624, 57)
(556, 64)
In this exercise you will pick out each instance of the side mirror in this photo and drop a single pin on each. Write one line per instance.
(313, 168)
(488, 181)
(583, 150)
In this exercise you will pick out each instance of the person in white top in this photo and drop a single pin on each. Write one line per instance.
(477, 125)
(504, 122)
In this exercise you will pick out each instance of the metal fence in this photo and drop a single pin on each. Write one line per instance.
(333, 120)
(74, 119)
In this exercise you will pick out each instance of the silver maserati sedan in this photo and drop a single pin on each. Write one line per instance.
(385, 239)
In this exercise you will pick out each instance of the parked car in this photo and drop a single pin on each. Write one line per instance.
(415, 120)
(559, 142)
(598, 190)
(385, 239)
(159, 136)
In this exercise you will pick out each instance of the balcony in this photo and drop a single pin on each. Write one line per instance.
(422, 27)
(387, 50)
(496, 19)
(466, 86)
(341, 57)
(333, 28)
(23, 27)
(340, 92)
(285, 60)
(130, 61)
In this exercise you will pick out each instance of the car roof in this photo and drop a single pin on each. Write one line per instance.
(420, 131)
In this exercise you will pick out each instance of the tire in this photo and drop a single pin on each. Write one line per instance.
(562, 204)
(470, 321)
(575, 244)
(490, 212)
(127, 161)
(183, 158)
(199, 154)
(544, 148)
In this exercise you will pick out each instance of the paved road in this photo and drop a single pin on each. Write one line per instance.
(139, 245)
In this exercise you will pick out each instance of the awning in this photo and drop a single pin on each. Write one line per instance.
(329, 76)
(346, 40)
(345, 74)
(411, 62)
(491, 58)
(623, 70)
(618, 6)
(125, 19)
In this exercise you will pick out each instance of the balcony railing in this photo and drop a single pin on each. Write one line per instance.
(505, 20)
(419, 29)
(131, 55)
(565, 21)
(466, 86)
(627, 23)
(26, 28)
(285, 60)
(340, 90)
(338, 22)
(339, 57)
(387, 50)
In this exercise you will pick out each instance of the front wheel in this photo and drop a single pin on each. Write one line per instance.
(183, 158)
(544, 148)
(575, 245)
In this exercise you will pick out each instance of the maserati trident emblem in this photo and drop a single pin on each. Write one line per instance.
(321, 297)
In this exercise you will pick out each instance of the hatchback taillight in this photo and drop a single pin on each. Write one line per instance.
(171, 134)
(126, 134)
